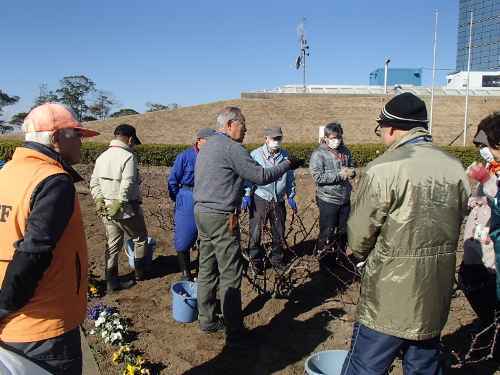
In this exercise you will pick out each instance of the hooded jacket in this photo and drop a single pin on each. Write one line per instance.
(405, 222)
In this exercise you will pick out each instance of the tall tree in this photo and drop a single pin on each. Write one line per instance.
(5, 100)
(73, 92)
(102, 105)
(45, 96)
(18, 118)
(124, 112)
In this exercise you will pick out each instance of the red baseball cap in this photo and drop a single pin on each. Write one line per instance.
(52, 117)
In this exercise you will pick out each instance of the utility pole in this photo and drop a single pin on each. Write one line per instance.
(386, 64)
(468, 80)
(304, 52)
(433, 70)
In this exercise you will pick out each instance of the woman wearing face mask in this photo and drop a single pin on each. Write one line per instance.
(477, 276)
(332, 166)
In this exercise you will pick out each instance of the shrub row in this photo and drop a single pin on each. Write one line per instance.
(164, 155)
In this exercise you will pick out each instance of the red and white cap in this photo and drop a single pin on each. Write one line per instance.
(50, 117)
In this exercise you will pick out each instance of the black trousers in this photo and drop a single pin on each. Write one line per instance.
(61, 355)
(260, 212)
(332, 220)
(479, 287)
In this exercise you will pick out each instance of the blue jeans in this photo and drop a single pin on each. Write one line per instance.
(372, 353)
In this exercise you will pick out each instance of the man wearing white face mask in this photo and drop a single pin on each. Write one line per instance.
(268, 201)
(332, 166)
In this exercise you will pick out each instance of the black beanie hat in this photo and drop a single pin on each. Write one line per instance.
(405, 111)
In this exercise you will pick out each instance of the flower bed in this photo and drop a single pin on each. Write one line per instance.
(112, 328)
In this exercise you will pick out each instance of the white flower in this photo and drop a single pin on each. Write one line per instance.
(104, 334)
(116, 336)
(92, 332)
(100, 321)
(119, 327)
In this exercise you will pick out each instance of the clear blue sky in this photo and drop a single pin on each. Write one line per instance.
(198, 51)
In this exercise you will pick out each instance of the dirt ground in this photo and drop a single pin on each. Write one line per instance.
(318, 315)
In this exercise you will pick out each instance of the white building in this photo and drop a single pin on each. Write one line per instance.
(477, 80)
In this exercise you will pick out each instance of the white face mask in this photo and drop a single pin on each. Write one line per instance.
(274, 145)
(333, 143)
(486, 154)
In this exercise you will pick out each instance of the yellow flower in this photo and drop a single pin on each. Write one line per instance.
(139, 361)
(117, 357)
(130, 370)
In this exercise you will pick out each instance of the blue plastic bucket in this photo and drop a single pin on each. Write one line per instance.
(329, 362)
(184, 303)
(148, 256)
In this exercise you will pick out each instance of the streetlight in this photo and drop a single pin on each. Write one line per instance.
(386, 64)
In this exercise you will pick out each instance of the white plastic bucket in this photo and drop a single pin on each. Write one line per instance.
(148, 256)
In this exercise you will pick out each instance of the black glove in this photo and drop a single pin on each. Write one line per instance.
(295, 162)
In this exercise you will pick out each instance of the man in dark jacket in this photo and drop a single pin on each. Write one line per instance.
(43, 253)
(405, 224)
(221, 168)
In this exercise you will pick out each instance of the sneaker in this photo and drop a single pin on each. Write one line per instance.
(216, 327)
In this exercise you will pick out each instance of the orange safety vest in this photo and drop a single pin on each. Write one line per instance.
(60, 299)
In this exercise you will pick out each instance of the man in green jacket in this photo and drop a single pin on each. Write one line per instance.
(405, 224)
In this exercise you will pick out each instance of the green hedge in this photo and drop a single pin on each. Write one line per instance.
(164, 155)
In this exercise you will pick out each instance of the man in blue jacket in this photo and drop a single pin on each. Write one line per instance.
(268, 201)
(180, 189)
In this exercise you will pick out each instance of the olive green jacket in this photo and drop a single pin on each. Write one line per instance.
(405, 222)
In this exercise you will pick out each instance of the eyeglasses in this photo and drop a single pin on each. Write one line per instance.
(380, 125)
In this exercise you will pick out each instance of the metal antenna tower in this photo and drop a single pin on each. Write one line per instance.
(304, 51)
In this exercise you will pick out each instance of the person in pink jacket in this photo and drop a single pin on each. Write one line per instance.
(477, 274)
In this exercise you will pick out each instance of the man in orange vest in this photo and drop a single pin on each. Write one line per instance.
(43, 253)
